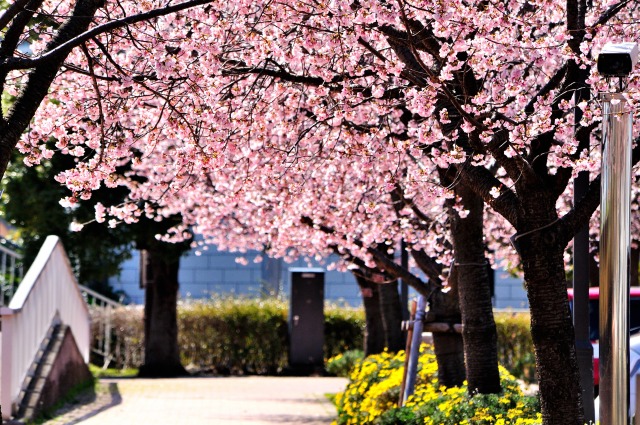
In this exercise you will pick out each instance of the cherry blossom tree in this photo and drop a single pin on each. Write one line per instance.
(37, 37)
(195, 100)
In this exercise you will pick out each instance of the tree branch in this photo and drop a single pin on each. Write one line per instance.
(382, 261)
(483, 182)
(280, 74)
(399, 202)
(516, 167)
(388, 265)
(573, 221)
(40, 79)
(62, 50)
(12, 11)
(546, 89)
(610, 13)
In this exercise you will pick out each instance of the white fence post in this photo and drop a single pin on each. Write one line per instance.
(6, 362)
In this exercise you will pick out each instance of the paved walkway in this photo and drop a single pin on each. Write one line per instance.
(212, 401)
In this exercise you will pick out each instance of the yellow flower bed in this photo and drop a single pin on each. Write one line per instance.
(372, 396)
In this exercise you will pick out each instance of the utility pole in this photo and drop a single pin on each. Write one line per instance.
(615, 60)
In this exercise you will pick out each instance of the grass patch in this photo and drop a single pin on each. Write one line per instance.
(99, 372)
(331, 397)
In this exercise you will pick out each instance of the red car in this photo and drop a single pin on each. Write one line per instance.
(594, 318)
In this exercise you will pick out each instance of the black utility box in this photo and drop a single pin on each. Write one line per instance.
(306, 319)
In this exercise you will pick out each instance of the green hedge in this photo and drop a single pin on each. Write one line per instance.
(234, 336)
(515, 346)
(343, 330)
(250, 336)
(230, 335)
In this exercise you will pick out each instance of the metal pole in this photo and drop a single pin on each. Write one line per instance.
(404, 287)
(584, 349)
(407, 350)
(614, 260)
(412, 368)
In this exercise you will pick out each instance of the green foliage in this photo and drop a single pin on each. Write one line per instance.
(343, 329)
(99, 372)
(31, 203)
(229, 335)
(234, 335)
(343, 364)
(515, 346)
(372, 395)
(214, 333)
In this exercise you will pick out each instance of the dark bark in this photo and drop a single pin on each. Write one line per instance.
(383, 316)
(374, 329)
(448, 346)
(390, 308)
(449, 351)
(161, 351)
(479, 328)
(551, 325)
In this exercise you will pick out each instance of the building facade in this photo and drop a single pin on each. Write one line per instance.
(212, 273)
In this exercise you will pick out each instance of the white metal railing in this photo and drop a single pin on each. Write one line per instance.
(11, 272)
(102, 309)
(48, 293)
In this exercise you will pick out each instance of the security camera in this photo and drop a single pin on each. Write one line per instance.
(617, 59)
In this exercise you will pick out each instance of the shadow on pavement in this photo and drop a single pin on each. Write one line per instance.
(96, 406)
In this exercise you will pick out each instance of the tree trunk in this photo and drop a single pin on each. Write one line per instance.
(551, 326)
(449, 351)
(390, 308)
(448, 346)
(479, 328)
(161, 354)
(374, 330)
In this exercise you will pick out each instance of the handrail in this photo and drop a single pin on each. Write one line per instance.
(98, 298)
(48, 294)
(103, 321)
(11, 272)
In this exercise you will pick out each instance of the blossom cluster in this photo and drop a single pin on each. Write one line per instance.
(242, 116)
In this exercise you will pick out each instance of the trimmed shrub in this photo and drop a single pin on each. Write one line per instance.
(515, 346)
(234, 335)
(227, 335)
(343, 329)
(250, 336)
(374, 388)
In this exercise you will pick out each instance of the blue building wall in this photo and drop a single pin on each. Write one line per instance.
(214, 273)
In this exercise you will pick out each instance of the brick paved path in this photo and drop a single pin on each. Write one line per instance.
(212, 401)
